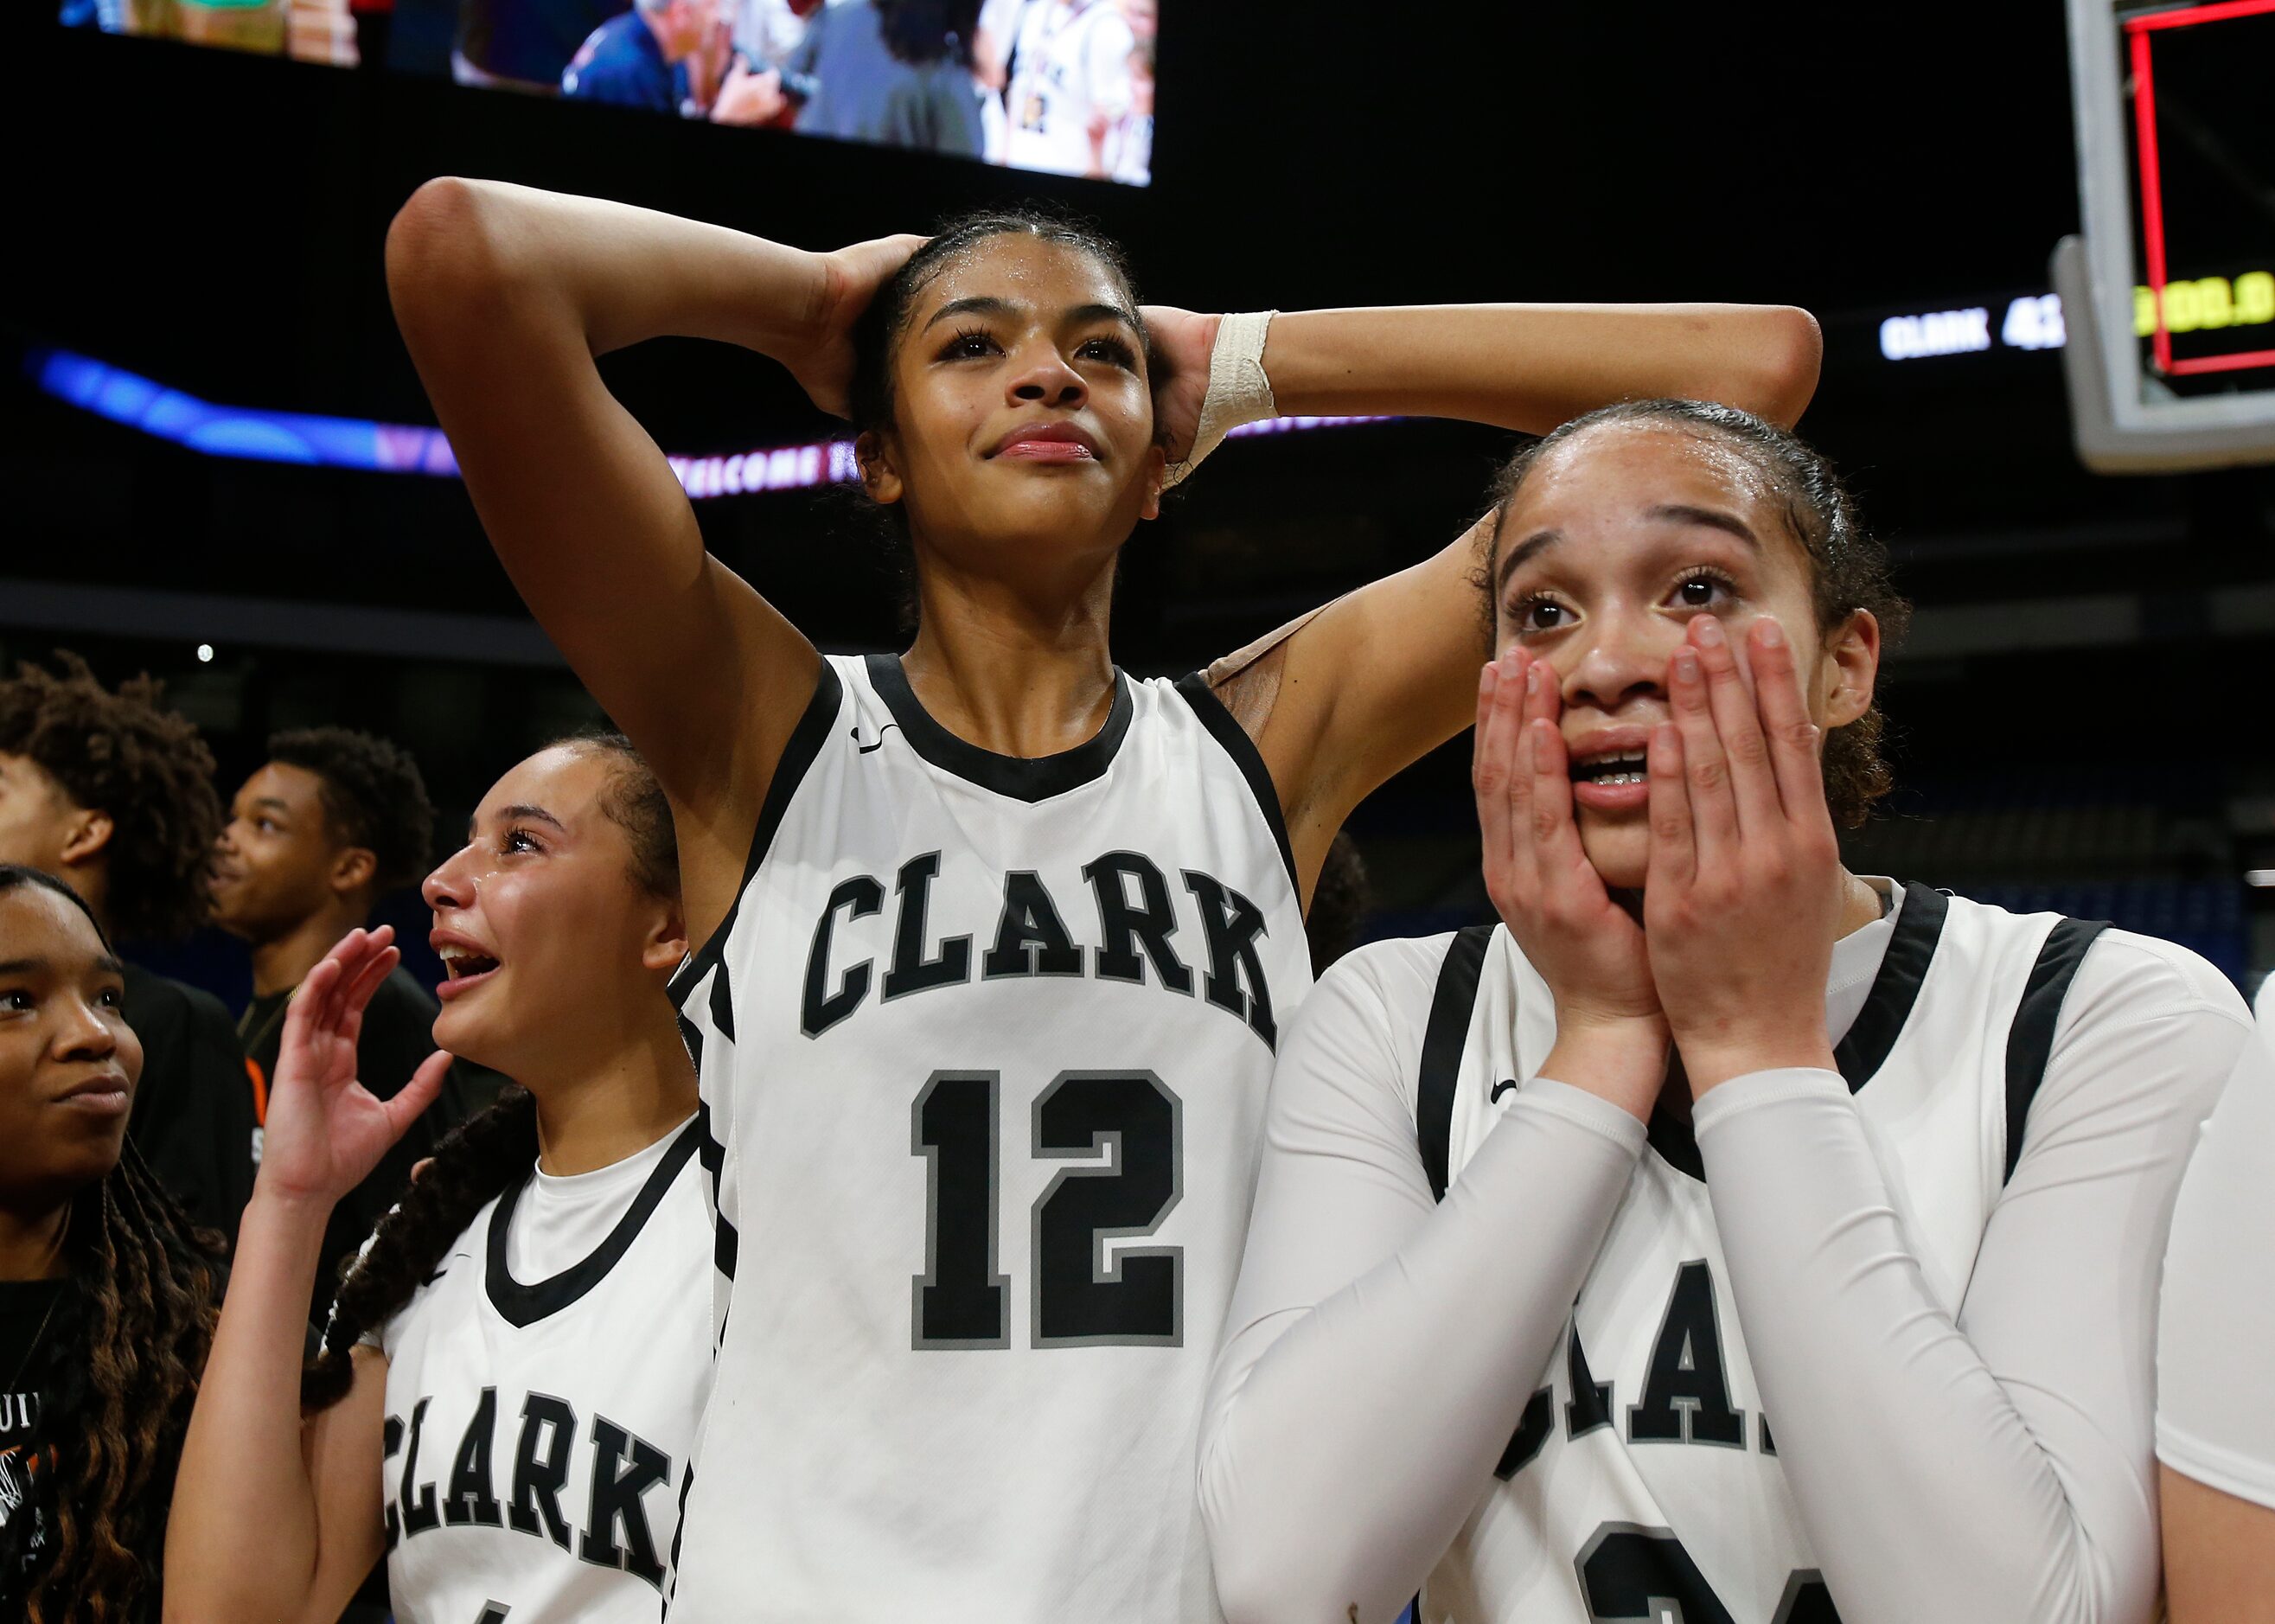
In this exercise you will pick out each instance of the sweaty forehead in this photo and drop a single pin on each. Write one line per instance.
(1026, 269)
(1642, 464)
(562, 780)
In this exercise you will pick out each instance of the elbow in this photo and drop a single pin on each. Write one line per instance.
(1263, 1580)
(1787, 355)
(445, 258)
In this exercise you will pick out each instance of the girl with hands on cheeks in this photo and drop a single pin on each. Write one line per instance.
(1720, 1233)
(510, 1380)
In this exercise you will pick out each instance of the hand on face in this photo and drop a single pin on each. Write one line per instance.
(1587, 949)
(325, 1131)
(1745, 888)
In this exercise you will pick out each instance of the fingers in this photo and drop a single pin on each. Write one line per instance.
(416, 1095)
(1674, 852)
(1753, 789)
(376, 967)
(1793, 738)
(1712, 813)
(1492, 753)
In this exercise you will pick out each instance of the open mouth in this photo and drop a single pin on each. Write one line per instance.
(1623, 768)
(464, 964)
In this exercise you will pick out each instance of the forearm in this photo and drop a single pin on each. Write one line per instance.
(468, 256)
(1413, 1374)
(1933, 1485)
(242, 1539)
(1532, 367)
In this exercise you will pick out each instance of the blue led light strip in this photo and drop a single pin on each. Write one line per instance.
(260, 435)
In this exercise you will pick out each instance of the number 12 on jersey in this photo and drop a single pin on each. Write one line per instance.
(1081, 1298)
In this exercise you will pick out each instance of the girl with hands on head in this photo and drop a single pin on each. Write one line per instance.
(1722, 1229)
(509, 1384)
(989, 880)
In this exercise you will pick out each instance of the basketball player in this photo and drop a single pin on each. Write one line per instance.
(997, 940)
(2214, 1421)
(511, 1376)
(1846, 1302)
(1070, 85)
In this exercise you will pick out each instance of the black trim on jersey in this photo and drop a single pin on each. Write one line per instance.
(798, 758)
(1023, 778)
(1871, 1036)
(1234, 739)
(521, 1305)
(1864, 1048)
(1442, 1043)
(2031, 1038)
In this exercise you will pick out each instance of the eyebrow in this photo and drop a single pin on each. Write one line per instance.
(519, 813)
(987, 305)
(1712, 518)
(1670, 512)
(107, 965)
(1523, 553)
(271, 801)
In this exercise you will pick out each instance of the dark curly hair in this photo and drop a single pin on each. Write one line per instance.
(1848, 568)
(121, 753)
(878, 331)
(373, 797)
(479, 1157)
(120, 1375)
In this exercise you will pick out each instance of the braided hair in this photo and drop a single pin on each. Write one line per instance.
(478, 1159)
(1848, 566)
(144, 1294)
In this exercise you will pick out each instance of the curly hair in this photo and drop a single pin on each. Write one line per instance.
(479, 1157)
(878, 331)
(120, 1375)
(373, 797)
(121, 753)
(1848, 567)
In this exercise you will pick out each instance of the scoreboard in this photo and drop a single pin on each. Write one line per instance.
(2170, 294)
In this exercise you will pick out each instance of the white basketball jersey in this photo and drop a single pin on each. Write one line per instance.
(984, 1050)
(1643, 1480)
(538, 1431)
(1070, 63)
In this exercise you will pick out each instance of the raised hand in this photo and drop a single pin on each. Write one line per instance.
(325, 1131)
(852, 277)
(1745, 888)
(1183, 340)
(1611, 1038)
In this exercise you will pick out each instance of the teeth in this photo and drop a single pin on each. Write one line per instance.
(1621, 778)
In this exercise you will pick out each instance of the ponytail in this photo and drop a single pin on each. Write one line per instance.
(474, 1164)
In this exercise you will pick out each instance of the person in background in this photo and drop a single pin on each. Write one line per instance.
(641, 57)
(896, 72)
(107, 1291)
(1070, 85)
(111, 792)
(524, 45)
(332, 821)
(1132, 146)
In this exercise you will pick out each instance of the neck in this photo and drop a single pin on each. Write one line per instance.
(637, 1093)
(282, 961)
(1008, 674)
(31, 1244)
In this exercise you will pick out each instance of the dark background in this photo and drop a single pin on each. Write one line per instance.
(2079, 709)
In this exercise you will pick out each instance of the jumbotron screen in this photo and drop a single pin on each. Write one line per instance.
(2202, 145)
(1061, 87)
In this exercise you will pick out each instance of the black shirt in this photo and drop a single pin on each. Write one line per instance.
(194, 1113)
(398, 1033)
(30, 1312)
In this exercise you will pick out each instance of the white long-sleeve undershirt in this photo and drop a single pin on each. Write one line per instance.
(1999, 1467)
(2215, 1406)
